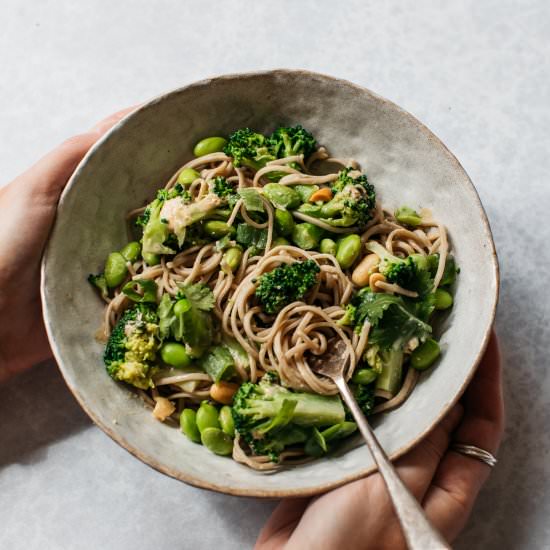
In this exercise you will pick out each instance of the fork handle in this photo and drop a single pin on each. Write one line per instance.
(419, 532)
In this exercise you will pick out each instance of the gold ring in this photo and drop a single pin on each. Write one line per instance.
(475, 452)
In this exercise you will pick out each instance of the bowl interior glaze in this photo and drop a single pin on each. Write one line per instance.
(404, 160)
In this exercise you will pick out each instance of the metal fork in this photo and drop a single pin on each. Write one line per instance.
(418, 531)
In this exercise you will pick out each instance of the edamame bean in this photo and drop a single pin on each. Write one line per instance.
(348, 249)
(443, 299)
(306, 235)
(280, 241)
(217, 441)
(216, 229)
(226, 421)
(408, 216)
(364, 376)
(188, 425)
(281, 196)
(131, 251)
(424, 355)
(151, 259)
(232, 257)
(115, 269)
(181, 306)
(209, 145)
(207, 417)
(187, 176)
(175, 354)
(284, 222)
(327, 246)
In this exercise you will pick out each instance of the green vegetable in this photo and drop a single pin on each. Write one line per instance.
(289, 141)
(207, 417)
(270, 417)
(131, 251)
(218, 363)
(450, 272)
(392, 319)
(155, 232)
(148, 290)
(443, 299)
(284, 222)
(209, 145)
(217, 441)
(100, 283)
(248, 148)
(131, 349)
(281, 196)
(115, 269)
(216, 229)
(175, 354)
(226, 420)
(305, 191)
(405, 272)
(251, 199)
(150, 259)
(318, 443)
(424, 355)
(365, 397)
(187, 176)
(251, 237)
(307, 235)
(352, 204)
(285, 284)
(328, 246)
(408, 216)
(232, 257)
(280, 241)
(181, 306)
(364, 376)
(188, 425)
(390, 364)
(348, 250)
(188, 318)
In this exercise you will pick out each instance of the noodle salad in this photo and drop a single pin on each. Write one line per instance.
(258, 257)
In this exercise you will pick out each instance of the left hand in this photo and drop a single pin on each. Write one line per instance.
(28, 205)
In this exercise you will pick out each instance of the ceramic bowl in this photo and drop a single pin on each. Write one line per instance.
(406, 162)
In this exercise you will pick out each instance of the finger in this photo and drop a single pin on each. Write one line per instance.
(459, 478)
(278, 528)
(417, 468)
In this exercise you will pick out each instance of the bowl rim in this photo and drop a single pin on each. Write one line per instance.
(270, 493)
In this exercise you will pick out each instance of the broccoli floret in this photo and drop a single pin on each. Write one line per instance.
(131, 348)
(352, 204)
(248, 148)
(285, 284)
(364, 395)
(270, 417)
(225, 190)
(288, 141)
(410, 272)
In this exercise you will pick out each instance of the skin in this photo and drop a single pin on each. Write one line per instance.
(357, 515)
(28, 206)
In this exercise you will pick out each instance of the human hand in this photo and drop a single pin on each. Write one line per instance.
(28, 206)
(360, 514)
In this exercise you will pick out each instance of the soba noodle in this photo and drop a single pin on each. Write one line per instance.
(288, 342)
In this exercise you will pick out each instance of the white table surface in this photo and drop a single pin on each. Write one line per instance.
(476, 72)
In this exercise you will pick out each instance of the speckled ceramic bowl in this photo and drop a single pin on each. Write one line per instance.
(406, 162)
